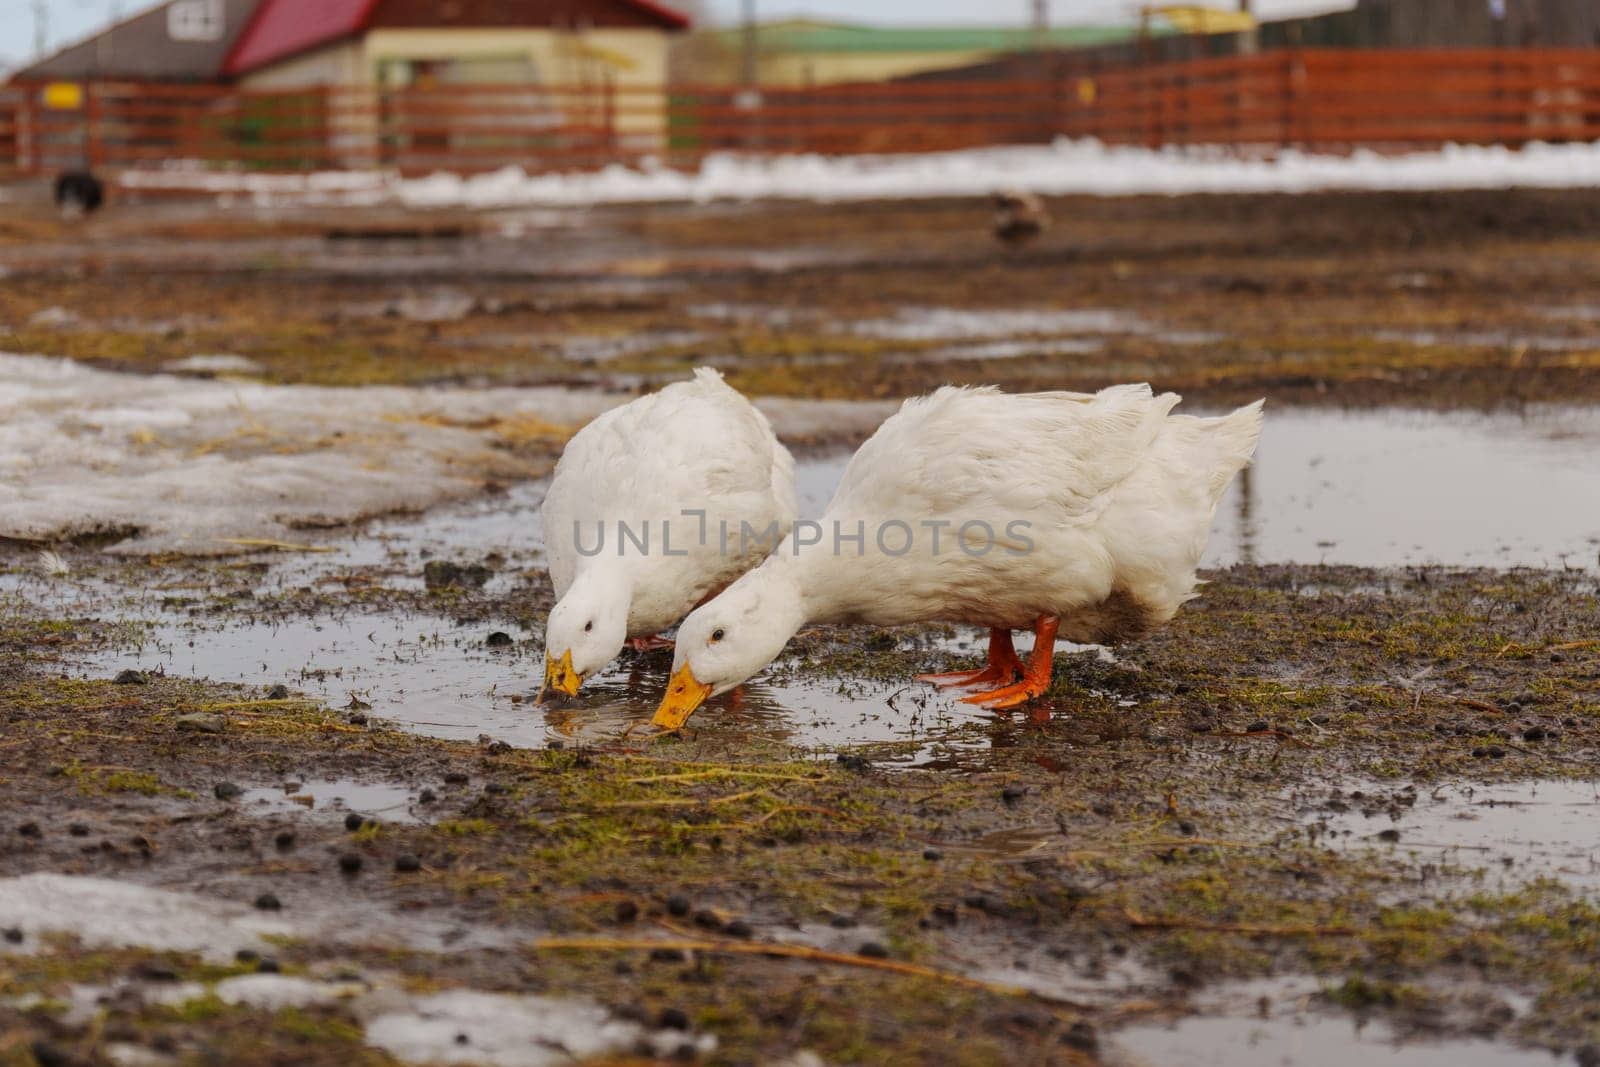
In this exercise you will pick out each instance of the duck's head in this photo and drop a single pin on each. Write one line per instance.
(728, 640)
(586, 630)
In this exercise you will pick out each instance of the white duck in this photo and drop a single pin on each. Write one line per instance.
(673, 467)
(1071, 513)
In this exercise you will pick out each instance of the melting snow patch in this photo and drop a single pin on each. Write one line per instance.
(463, 1026)
(190, 464)
(101, 912)
(218, 364)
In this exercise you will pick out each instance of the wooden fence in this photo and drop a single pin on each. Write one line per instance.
(1322, 100)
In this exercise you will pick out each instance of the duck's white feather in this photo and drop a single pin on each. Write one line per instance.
(1099, 504)
(694, 445)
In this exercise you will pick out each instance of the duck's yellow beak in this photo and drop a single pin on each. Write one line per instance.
(684, 694)
(559, 675)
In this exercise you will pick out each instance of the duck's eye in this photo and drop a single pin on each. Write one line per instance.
(718, 634)
(588, 626)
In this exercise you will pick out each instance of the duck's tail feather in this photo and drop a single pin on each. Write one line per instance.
(1232, 440)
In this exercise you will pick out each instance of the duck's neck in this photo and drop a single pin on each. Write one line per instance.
(822, 579)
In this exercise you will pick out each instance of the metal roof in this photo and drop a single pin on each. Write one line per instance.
(141, 48)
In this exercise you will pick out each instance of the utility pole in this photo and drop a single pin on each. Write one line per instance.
(749, 76)
(41, 27)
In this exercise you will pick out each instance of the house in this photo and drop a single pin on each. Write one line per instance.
(403, 43)
(802, 52)
(543, 68)
(177, 41)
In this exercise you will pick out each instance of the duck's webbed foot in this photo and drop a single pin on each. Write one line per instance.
(651, 644)
(1002, 668)
(1035, 676)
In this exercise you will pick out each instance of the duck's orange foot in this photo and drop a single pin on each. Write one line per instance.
(1003, 666)
(990, 675)
(651, 644)
(1010, 696)
(1035, 677)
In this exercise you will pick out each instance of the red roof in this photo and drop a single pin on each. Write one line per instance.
(284, 28)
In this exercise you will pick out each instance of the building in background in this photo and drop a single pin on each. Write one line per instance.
(178, 41)
(550, 68)
(801, 52)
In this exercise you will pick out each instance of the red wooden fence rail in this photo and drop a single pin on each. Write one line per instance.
(1324, 100)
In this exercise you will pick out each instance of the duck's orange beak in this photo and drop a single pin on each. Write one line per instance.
(684, 694)
(559, 675)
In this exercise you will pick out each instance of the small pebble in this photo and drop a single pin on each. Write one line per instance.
(627, 911)
(278, 692)
(1258, 726)
(79, 829)
(498, 789)
(356, 718)
(707, 920)
(1535, 733)
(268, 902)
(427, 796)
(499, 639)
(841, 922)
(350, 863)
(12, 935)
(667, 955)
(284, 839)
(1187, 828)
(1389, 835)
(269, 965)
(1081, 1035)
(455, 778)
(353, 822)
(858, 764)
(30, 830)
(246, 955)
(131, 677)
(932, 854)
(1011, 794)
(406, 863)
(678, 905)
(200, 723)
(738, 928)
(873, 951)
(226, 791)
(673, 1019)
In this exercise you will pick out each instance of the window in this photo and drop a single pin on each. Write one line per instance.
(195, 20)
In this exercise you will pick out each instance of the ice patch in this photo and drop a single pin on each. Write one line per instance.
(100, 912)
(463, 1026)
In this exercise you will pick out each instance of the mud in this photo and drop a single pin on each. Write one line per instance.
(1331, 810)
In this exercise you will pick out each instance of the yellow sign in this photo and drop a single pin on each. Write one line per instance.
(63, 96)
(1193, 18)
(1086, 91)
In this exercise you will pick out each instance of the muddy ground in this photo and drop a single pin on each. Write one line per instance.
(1267, 816)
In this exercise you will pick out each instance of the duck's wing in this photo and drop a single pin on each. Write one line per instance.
(981, 453)
(693, 445)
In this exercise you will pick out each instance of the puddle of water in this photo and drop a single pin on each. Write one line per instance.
(1488, 339)
(1386, 488)
(383, 801)
(949, 324)
(1513, 832)
(1305, 1041)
